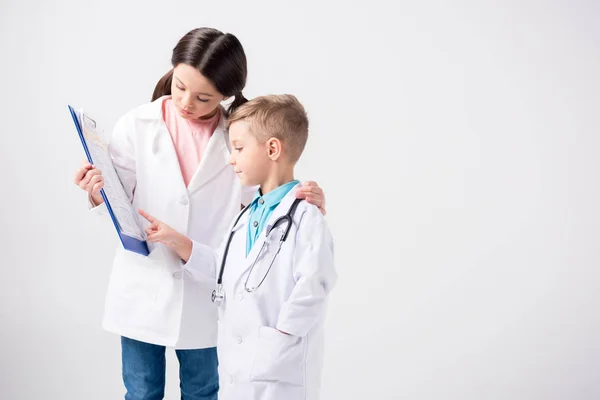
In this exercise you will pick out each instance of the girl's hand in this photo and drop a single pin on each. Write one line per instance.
(313, 194)
(91, 180)
(159, 232)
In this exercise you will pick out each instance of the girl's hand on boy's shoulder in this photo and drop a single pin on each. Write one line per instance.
(159, 232)
(312, 192)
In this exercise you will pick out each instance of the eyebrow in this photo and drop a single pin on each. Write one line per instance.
(205, 94)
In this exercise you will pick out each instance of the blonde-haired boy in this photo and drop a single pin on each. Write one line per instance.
(273, 278)
(271, 337)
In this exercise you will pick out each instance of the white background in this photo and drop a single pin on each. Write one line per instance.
(457, 145)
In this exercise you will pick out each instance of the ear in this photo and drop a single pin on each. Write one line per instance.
(274, 148)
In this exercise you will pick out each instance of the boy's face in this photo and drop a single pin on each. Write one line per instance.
(249, 157)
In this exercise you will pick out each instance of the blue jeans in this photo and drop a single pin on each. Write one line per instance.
(144, 371)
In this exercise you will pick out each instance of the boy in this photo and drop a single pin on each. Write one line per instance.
(274, 278)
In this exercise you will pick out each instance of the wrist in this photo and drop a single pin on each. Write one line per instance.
(184, 248)
(96, 199)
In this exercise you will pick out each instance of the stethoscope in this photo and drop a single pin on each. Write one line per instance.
(218, 295)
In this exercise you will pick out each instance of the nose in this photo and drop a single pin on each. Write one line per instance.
(231, 159)
(186, 101)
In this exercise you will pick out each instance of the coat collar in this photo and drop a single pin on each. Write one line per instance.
(151, 111)
(214, 159)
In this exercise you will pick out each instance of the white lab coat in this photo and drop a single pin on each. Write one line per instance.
(256, 360)
(154, 299)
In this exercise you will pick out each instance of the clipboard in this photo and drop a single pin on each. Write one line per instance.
(129, 240)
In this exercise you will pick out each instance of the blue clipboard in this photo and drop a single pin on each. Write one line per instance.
(129, 242)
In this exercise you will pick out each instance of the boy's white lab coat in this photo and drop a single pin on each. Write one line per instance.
(256, 360)
(154, 299)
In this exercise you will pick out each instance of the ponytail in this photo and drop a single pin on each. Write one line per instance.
(238, 101)
(163, 87)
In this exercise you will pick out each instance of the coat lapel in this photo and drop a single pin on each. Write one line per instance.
(214, 159)
(162, 144)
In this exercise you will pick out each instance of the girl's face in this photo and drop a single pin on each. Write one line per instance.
(193, 94)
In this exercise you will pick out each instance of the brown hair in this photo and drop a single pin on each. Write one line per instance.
(279, 116)
(218, 56)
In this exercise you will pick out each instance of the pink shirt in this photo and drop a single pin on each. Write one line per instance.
(190, 138)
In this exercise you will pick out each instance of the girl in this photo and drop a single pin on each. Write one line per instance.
(171, 156)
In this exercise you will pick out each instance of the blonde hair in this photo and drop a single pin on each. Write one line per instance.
(276, 116)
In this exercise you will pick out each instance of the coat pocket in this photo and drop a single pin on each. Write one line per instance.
(278, 358)
(136, 276)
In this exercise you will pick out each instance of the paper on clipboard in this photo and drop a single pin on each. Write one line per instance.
(118, 203)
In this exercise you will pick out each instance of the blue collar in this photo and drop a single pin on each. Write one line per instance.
(274, 197)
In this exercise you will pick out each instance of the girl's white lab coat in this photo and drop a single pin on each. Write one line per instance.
(256, 360)
(153, 299)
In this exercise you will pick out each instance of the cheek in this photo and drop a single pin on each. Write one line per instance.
(242, 159)
(203, 109)
(246, 161)
(257, 160)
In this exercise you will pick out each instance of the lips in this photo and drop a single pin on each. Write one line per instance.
(184, 112)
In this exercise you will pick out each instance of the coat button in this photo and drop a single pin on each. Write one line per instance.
(239, 340)
(183, 201)
(261, 201)
(177, 275)
(255, 224)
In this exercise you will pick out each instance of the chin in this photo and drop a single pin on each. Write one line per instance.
(246, 182)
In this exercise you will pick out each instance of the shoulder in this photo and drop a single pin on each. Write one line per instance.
(313, 237)
(148, 111)
(135, 118)
(309, 219)
(309, 211)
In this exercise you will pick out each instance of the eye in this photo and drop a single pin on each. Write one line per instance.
(202, 100)
(180, 88)
(238, 148)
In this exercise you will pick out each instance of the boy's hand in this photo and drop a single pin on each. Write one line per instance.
(311, 192)
(159, 232)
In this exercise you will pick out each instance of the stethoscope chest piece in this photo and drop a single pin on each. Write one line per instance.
(218, 295)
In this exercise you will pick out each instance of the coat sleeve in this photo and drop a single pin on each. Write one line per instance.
(122, 153)
(314, 274)
(202, 264)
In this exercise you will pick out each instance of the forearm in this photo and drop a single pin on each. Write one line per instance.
(198, 259)
(182, 245)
